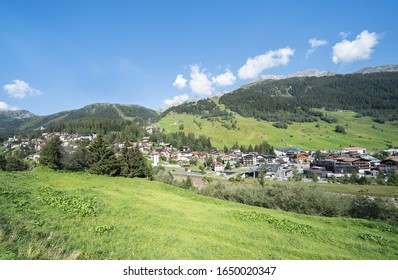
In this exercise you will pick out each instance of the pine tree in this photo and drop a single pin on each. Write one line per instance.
(3, 162)
(187, 184)
(393, 179)
(51, 153)
(261, 178)
(102, 159)
(228, 166)
(134, 164)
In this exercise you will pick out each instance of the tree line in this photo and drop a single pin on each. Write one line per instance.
(97, 158)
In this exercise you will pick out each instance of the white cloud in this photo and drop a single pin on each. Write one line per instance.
(254, 66)
(20, 89)
(180, 82)
(359, 49)
(314, 45)
(176, 100)
(200, 82)
(225, 79)
(5, 107)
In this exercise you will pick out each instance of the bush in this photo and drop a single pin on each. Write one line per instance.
(280, 125)
(340, 129)
(307, 200)
(15, 164)
(329, 119)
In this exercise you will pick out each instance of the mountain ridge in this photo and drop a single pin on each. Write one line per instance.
(104, 111)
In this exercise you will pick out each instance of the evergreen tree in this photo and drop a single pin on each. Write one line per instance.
(51, 153)
(102, 159)
(381, 178)
(354, 179)
(393, 179)
(3, 162)
(187, 184)
(76, 161)
(228, 166)
(261, 177)
(315, 177)
(134, 164)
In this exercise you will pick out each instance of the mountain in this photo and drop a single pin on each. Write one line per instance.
(94, 115)
(310, 108)
(378, 69)
(305, 73)
(293, 99)
(15, 114)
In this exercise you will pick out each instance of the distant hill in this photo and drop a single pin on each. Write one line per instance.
(88, 116)
(305, 73)
(311, 107)
(293, 99)
(15, 114)
(378, 69)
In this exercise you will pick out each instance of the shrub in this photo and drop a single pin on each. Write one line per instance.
(340, 129)
(280, 125)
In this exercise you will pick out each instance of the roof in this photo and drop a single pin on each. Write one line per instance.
(392, 158)
(347, 159)
(369, 158)
(354, 149)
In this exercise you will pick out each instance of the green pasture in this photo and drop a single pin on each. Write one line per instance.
(53, 215)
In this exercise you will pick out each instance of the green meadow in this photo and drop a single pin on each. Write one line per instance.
(359, 132)
(54, 215)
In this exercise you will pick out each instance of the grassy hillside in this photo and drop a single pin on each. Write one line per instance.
(360, 132)
(49, 215)
(292, 99)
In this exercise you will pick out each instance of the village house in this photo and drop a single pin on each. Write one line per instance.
(218, 167)
(184, 156)
(300, 158)
(249, 159)
(389, 164)
(334, 166)
(359, 163)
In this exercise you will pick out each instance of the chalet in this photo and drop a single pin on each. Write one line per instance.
(374, 162)
(300, 157)
(183, 156)
(236, 153)
(334, 166)
(249, 159)
(360, 163)
(389, 164)
(218, 167)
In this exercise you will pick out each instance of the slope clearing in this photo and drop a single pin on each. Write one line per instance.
(50, 215)
(359, 132)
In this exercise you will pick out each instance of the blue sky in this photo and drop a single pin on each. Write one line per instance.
(62, 55)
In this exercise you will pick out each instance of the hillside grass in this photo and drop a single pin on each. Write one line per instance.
(304, 135)
(52, 215)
